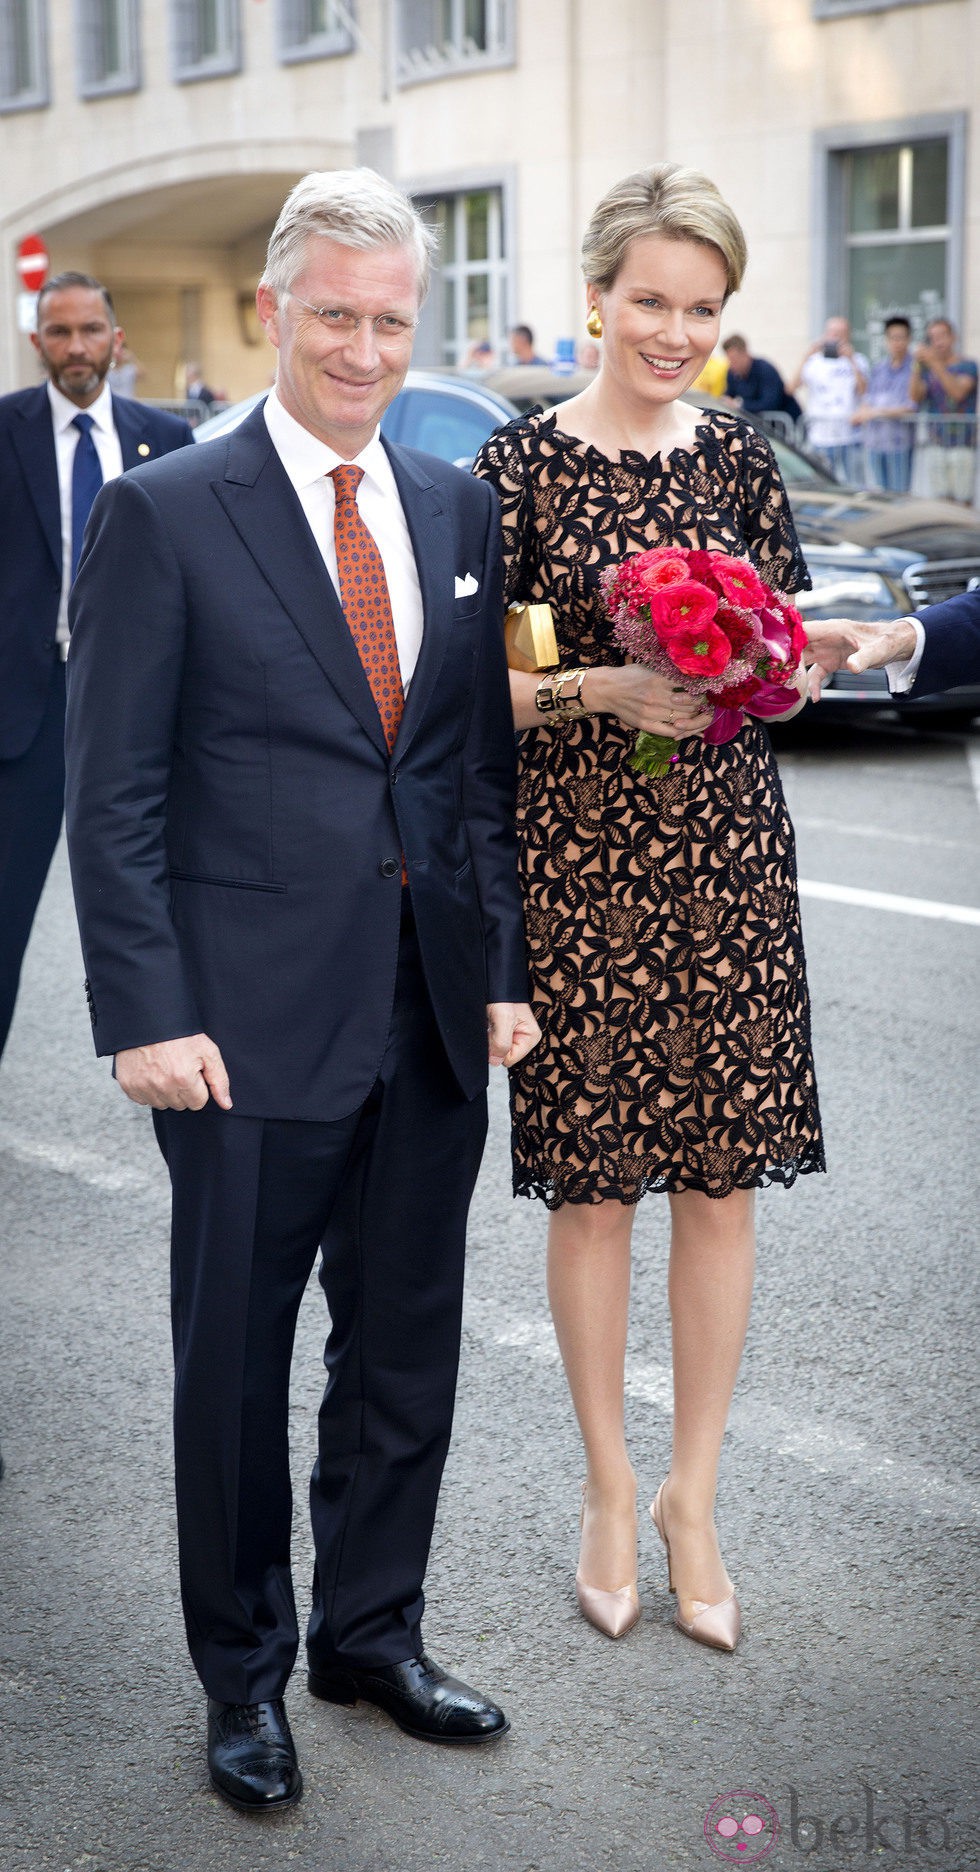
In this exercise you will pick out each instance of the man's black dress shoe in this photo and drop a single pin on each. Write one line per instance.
(252, 1756)
(421, 1697)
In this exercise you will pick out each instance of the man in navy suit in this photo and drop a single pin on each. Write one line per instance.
(933, 649)
(303, 934)
(40, 499)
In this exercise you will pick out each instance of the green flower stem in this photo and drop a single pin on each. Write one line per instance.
(653, 754)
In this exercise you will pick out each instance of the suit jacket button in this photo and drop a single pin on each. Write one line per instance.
(389, 867)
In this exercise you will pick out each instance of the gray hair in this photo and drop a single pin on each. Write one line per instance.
(356, 207)
(679, 203)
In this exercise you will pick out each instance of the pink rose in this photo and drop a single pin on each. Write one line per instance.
(662, 567)
(739, 582)
(678, 606)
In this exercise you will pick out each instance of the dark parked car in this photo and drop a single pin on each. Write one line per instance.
(871, 555)
(444, 414)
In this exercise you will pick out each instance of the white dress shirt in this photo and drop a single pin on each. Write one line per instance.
(309, 463)
(901, 676)
(66, 440)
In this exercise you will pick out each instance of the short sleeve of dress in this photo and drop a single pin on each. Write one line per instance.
(768, 522)
(501, 462)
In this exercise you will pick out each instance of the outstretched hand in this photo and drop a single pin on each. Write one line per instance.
(848, 643)
(174, 1075)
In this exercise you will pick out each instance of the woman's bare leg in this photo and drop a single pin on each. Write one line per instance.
(588, 1288)
(712, 1264)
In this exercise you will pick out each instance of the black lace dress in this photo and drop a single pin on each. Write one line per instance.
(662, 915)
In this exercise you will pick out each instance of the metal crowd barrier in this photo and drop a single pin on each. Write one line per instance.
(937, 460)
(190, 408)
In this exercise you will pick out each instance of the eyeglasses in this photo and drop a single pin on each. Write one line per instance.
(390, 329)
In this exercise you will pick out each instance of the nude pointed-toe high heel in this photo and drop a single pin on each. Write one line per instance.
(613, 1613)
(719, 1625)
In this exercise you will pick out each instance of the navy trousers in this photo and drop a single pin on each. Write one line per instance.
(384, 1194)
(32, 804)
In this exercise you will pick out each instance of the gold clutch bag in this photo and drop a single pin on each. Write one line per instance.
(529, 633)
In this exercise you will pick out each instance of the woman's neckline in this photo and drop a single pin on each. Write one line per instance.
(628, 455)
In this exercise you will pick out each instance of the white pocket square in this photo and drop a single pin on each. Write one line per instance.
(465, 587)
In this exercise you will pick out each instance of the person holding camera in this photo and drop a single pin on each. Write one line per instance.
(834, 377)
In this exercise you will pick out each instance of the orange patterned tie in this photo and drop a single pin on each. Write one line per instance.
(367, 605)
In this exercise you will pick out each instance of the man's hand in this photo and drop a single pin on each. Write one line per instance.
(511, 1031)
(848, 643)
(175, 1075)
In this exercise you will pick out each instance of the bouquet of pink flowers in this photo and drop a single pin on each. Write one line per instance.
(713, 624)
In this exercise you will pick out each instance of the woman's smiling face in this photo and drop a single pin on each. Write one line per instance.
(661, 316)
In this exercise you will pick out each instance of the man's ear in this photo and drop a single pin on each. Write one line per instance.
(267, 307)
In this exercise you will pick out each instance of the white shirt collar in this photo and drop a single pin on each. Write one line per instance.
(64, 411)
(306, 459)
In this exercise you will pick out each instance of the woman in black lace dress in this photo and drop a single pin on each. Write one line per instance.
(663, 922)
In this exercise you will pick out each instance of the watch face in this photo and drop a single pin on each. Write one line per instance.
(741, 1827)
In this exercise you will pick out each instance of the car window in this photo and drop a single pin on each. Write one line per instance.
(796, 471)
(440, 422)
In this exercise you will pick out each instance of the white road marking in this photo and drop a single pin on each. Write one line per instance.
(755, 1421)
(973, 759)
(840, 827)
(885, 900)
(85, 1166)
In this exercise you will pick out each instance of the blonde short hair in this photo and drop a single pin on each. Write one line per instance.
(682, 204)
(357, 208)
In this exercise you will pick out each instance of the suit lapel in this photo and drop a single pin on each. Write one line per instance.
(432, 544)
(261, 503)
(32, 434)
(136, 439)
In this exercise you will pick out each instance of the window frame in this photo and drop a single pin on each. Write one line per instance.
(449, 60)
(829, 271)
(188, 70)
(38, 95)
(337, 42)
(128, 78)
(841, 9)
(424, 190)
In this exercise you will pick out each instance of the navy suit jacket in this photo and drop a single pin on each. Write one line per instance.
(235, 821)
(30, 543)
(952, 649)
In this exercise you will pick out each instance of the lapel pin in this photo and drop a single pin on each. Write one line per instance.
(143, 448)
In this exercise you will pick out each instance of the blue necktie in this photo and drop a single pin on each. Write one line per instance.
(86, 480)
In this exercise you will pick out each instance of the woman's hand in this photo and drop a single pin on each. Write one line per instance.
(640, 698)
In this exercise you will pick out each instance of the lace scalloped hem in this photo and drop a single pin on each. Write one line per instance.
(581, 1189)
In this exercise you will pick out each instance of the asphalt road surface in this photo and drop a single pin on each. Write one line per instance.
(847, 1501)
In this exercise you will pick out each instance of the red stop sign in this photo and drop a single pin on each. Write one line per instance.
(32, 262)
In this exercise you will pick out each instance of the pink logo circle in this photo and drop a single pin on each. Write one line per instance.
(741, 1827)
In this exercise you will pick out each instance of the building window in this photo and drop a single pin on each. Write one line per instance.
(437, 38)
(23, 55)
(468, 301)
(316, 28)
(108, 54)
(896, 221)
(207, 38)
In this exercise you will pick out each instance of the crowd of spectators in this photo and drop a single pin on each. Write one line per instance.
(905, 423)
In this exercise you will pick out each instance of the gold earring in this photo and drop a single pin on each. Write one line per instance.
(593, 323)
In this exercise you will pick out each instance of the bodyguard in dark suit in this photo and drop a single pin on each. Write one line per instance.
(290, 816)
(50, 470)
(933, 649)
